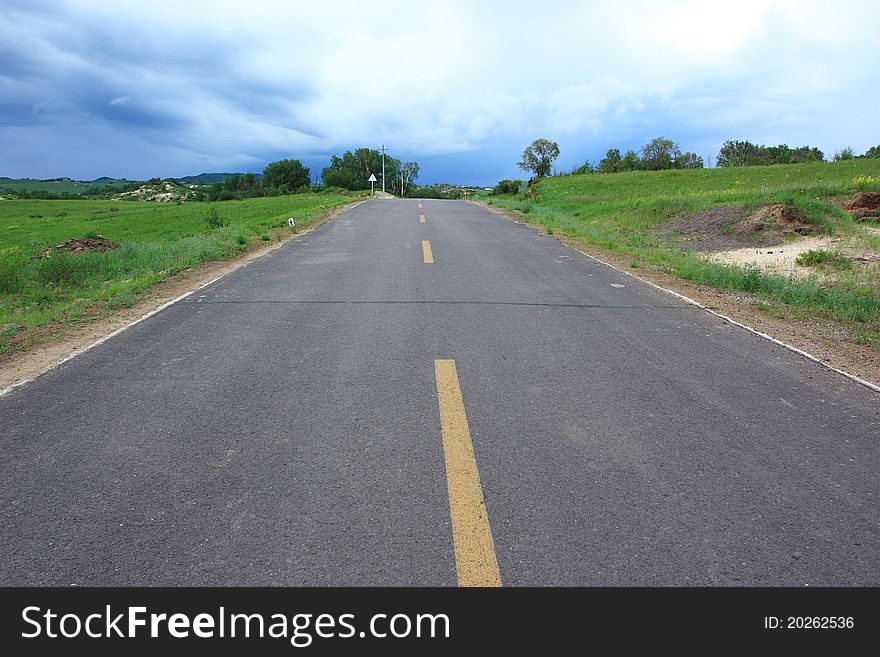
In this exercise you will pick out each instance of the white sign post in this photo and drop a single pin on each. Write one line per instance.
(372, 180)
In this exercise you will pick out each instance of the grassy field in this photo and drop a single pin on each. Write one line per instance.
(620, 213)
(157, 240)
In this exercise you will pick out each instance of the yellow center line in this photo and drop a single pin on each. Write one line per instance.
(475, 559)
(420, 206)
(426, 251)
(421, 218)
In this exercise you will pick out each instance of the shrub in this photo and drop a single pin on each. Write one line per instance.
(812, 257)
(213, 218)
(506, 187)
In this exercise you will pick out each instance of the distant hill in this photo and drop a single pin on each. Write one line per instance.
(64, 185)
(210, 178)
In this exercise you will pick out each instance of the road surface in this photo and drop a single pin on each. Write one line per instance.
(424, 393)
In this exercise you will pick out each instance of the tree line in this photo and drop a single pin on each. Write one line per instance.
(351, 171)
(279, 178)
(662, 153)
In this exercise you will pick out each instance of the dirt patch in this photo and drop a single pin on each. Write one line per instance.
(78, 245)
(162, 192)
(781, 259)
(730, 227)
(60, 341)
(829, 341)
(864, 206)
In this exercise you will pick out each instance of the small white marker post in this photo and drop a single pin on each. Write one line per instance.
(372, 180)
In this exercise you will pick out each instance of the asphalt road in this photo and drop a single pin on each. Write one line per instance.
(281, 426)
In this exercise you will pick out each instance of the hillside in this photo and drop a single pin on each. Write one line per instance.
(210, 178)
(59, 186)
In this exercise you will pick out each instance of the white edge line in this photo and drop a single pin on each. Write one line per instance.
(104, 339)
(851, 377)
(813, 358)
(8, 389)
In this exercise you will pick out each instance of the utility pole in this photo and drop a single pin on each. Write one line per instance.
(383, 149)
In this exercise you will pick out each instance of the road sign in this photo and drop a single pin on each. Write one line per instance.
(372, 180)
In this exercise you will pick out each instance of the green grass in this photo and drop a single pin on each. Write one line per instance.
(823, 258)
(619, 212)
(157, 240)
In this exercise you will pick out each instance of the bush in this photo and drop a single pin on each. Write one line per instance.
(812, 257)
(213, 218)
(506, 187)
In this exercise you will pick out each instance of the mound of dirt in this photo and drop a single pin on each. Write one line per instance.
(161, 192)
(865, 205)
(730, 227)
(79, 245)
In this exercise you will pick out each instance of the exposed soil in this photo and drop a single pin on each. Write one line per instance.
(782, 258)
(864, 206)
(731, 227)
(59, 341)
(79, 245)
(162, 192)
(829, 341)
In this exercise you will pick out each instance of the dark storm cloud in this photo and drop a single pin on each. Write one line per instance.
(169, 88)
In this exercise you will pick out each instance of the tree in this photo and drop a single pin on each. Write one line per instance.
(352, 170)
(844, 154)
(409, 171)
(583, 169)
(746, 154)
(807, 154)
(773, 154)
(689, 161)
(660, 153)
(286, 175)
(736, 153)
(630, 161)
(874, 151)
(611, 162)
(538, 158)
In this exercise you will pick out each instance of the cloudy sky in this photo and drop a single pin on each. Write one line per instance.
(143, 89)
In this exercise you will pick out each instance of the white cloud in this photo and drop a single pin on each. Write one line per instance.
(217, 81)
